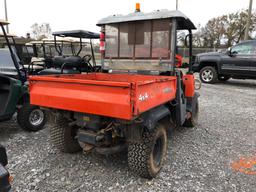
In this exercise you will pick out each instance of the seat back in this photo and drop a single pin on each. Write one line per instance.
(73, 61)
(58, 61)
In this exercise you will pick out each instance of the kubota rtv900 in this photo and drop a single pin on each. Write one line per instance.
(136, 98)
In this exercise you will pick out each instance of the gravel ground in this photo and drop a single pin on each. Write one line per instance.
(199, 159)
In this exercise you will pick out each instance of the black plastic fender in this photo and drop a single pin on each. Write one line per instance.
(151, 117)
(191, 102)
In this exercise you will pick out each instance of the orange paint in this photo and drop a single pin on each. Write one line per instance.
(245, 165)
(179, 59)
(189, 82)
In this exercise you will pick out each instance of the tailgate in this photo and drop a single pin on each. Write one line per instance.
(107, 98)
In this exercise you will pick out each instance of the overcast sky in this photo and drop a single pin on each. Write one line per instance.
(84, 14)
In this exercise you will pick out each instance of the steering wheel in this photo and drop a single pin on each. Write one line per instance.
(96, 68)
(87, 58)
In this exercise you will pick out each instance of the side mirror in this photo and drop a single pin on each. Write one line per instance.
(231, 53)
(234, 53)
(3, 156)
(228, 51)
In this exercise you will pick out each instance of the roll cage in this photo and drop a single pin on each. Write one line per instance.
(77, 34)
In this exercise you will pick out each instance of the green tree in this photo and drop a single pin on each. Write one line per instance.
(228, 28)
(40, 31)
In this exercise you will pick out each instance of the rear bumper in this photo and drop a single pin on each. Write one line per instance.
(4, 180)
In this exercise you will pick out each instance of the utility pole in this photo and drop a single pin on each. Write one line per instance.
(6, 15)
(246, 35)
(177, 4)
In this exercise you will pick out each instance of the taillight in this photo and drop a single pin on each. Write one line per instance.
(10, 179)
(102, 42)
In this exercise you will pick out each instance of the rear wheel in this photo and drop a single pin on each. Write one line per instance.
(147, 157)
(208, 74)
(31, 118)
(63, 136)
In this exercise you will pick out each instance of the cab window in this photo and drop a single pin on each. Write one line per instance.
(138, 40)
(244, 48)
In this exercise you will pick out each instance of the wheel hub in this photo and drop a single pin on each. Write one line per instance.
(36, 117)
(207, 75)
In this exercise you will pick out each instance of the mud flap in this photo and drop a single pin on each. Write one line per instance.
(154, 115)
(191, 102)
(147, 120)
(181, 102)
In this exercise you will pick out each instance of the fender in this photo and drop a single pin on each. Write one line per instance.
(151, 118)
(189, 83)
(191, 102)
(210, 59)
(12, 89)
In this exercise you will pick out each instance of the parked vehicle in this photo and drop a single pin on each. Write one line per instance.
(134, 101)
(73, 64)
(14, 93)
(5, 177)
(42, 53)
(238, 62)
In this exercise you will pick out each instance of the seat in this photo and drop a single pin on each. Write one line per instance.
(73, 61)
(58, 61)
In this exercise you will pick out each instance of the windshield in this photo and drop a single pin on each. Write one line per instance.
(6, 62)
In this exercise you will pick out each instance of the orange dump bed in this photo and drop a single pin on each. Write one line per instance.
(121, 96)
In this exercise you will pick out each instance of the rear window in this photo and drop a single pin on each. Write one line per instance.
(140, 39)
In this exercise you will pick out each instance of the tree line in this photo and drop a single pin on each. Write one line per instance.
(223, 31)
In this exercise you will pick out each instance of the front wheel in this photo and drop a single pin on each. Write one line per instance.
(208, 74)
(147, 157)
(31, 118)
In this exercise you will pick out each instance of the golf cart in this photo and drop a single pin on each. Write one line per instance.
(73, 64)
(134, 101)
(14, 95)
(42, 52)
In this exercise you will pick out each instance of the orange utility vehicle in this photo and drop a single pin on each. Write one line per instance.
(136, 98)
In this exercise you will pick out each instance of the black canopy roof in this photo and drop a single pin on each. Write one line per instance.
(183, 21)
(77, 34)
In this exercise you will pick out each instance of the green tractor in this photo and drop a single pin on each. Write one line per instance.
(14, 94)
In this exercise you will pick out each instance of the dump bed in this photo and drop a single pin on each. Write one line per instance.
(122, 96)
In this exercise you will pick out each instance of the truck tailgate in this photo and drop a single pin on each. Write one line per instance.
(114, 95)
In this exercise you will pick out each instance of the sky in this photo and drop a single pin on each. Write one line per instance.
(84, 14)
